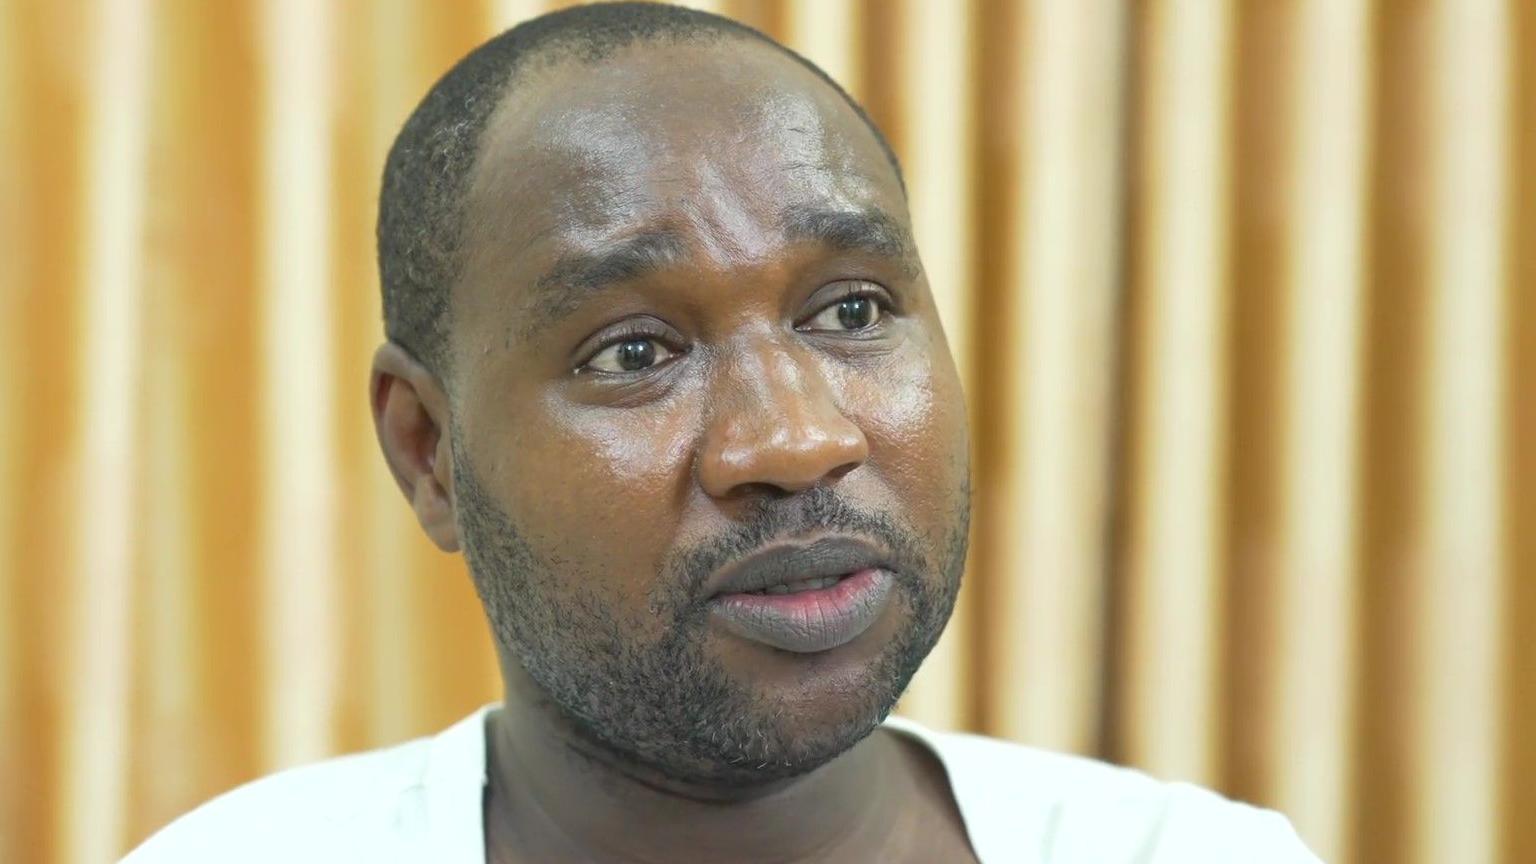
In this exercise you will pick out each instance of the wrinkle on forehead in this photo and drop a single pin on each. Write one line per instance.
(577, 155)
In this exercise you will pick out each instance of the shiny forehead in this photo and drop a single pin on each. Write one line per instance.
(666, 84)
(579, 147)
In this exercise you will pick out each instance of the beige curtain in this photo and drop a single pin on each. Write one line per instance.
(1244, 295)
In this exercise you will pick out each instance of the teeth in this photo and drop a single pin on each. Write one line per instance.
(816, 584)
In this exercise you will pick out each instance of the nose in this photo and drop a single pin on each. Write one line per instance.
(776, 428)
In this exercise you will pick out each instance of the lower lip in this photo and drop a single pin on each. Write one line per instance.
(808, 621)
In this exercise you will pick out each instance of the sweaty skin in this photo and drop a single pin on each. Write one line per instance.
(708, 166)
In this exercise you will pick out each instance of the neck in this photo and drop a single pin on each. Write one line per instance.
(553, 796)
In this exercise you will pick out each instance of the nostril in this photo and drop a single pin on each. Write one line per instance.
(770, 491)
(842, 470)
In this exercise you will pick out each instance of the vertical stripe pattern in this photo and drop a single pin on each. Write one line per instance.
(1243, 296)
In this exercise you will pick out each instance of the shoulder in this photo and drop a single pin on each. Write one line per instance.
(342, 809)
(1063, 808)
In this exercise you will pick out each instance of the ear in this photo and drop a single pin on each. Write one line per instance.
(410, 415)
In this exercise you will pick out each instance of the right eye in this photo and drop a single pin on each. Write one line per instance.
(632, 354)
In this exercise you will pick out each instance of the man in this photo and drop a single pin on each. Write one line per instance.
(663, 362)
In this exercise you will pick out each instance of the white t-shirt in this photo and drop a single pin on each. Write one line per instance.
(421, 802)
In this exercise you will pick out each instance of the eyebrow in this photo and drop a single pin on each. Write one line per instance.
(864, 230)
(577, 276)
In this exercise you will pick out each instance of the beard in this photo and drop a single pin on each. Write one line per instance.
(664, 703)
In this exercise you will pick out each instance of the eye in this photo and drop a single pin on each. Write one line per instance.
(633, 354)
(856, 312)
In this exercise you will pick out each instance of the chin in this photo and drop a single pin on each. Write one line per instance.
(794, 745)
(721, 711)
(810, 708)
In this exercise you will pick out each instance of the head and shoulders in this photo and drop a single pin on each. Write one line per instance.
(663, 363)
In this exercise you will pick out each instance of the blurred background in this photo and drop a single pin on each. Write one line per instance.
(1244, 295)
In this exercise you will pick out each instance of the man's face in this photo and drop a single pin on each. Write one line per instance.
(691, 330)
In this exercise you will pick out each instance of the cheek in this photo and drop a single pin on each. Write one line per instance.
(602, 489)
(912, 412)
(645, 451)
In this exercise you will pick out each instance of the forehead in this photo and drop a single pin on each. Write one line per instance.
(714, 139)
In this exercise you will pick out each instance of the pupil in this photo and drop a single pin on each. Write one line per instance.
(854, 313)
(636, 354)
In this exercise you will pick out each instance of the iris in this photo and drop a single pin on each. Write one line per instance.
(856, 313)
(636, 354)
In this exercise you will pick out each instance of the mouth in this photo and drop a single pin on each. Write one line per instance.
(804, 598)
(816, 583)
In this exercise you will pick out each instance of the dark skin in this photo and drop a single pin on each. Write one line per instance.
(711, 170)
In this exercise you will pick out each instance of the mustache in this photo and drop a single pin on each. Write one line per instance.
(817, 509)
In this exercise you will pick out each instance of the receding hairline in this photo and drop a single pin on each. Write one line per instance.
(437, 162)
(867, 225)
(490, 159)
(826, 96)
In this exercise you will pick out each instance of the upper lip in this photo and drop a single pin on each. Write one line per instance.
(785, 562)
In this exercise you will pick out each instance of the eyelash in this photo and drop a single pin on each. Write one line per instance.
(629, 332)
(857, 289)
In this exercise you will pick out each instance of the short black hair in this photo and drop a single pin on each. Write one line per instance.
(427, 172)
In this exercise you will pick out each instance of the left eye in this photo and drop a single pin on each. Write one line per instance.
(631, 355)
(847, 314)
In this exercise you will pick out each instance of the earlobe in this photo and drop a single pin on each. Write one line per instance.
(410, 416)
